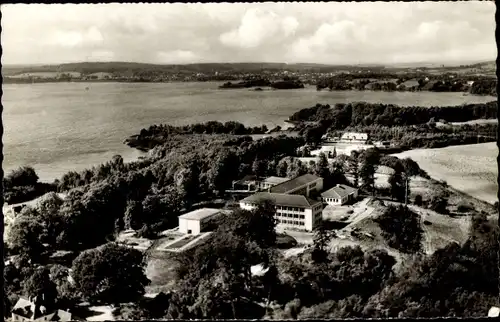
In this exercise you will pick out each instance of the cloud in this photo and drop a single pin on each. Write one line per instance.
(342, 33)
(176, 57)
(63, 38)
(258, 27)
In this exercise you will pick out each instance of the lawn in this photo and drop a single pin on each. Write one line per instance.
(182, 242)
(468, 168)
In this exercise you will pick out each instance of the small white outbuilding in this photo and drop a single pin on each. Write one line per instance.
(194, 222)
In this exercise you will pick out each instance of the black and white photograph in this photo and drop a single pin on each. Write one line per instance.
(264, 161)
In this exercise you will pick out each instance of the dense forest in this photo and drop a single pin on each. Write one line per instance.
(158, 134)
(413, 127)
(362, 113)
(390, 82)
(214, 280)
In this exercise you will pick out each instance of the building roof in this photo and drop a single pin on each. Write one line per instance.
(200, 214)
(22, 303)
(275, 180)
(339, 191)
(246, 178)
(28, 309)
(294, 183)
(281, 199)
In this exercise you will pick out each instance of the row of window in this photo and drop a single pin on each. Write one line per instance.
(318, 207)
(332, 200)
(290, 208)
(291, 216)
(291, 222)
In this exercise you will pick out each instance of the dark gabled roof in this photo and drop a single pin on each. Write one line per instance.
(339, 191)
(281, 199)
(289, 185)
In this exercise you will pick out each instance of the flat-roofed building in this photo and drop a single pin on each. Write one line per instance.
(271, 182)
(292, 211)
(339, 195)
(354, 136)
(196, 221)
(302, 185)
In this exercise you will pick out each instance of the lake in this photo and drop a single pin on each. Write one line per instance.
(58, 127)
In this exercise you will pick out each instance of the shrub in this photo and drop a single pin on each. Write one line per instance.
(439, 204)
(401, 229)
(464, 207)
(418, 200)
(146, 232)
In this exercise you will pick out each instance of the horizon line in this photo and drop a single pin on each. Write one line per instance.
(472, 62)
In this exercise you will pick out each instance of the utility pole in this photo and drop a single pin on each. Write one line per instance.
(406, 191)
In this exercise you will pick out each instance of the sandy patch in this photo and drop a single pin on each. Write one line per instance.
(468, 168)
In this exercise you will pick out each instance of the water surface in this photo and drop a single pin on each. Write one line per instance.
(57, 127)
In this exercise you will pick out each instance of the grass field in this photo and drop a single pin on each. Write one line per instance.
(468, 168)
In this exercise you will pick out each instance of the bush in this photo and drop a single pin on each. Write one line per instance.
(464, 207)
(418, 200)
(401, 229)
(439, 204)
(147, 232)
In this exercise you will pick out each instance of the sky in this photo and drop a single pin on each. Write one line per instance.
(325, 33)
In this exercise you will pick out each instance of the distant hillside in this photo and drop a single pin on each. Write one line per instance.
(120, 67)
(130, 67)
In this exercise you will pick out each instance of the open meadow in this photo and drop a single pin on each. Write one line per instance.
(469, 168)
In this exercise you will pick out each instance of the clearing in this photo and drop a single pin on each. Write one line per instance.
(468, 168)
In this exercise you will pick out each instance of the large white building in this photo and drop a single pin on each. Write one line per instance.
(302, 185)
(354, 136)
(339, 195)
(196, 221)
(292, 211)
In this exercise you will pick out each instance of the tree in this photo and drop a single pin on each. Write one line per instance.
(188, 180)
(354, 167)
(133, 215)
(24, 236)
(259, 167)
(411, 167)
(397, 183)
(24, 176)
(439, 203)
(369, 161)
(282, 167)
(110, 274)
(401, 229)
(418, 200)
(39, 285)
(321, 167)
(322, 238)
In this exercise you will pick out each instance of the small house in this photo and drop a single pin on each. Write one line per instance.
(31, 310)
(195, 222)
(339, 195)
